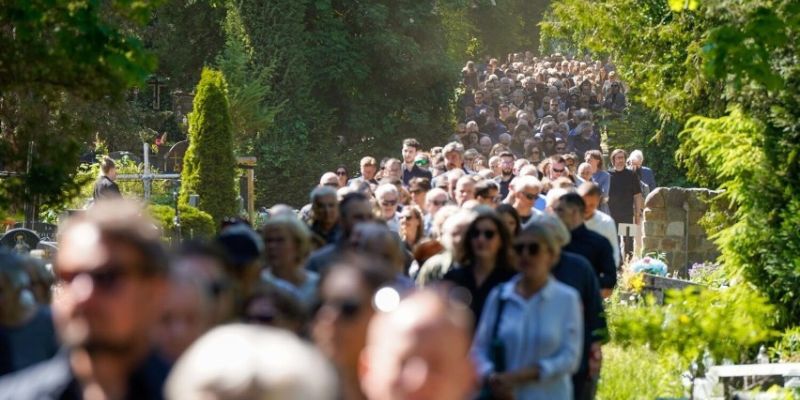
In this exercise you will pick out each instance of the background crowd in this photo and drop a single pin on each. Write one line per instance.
(473, 269)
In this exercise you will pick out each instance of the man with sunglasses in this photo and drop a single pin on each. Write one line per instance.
(410, 169)
(112, 271)
(526, 191)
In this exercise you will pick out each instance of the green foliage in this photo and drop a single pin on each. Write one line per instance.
(195, 224)
(248, 86)
(60, 59)
(733, 64)
(725, 323)
(636, 372)
(209, 163)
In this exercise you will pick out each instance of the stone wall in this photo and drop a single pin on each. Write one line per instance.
(671, 217)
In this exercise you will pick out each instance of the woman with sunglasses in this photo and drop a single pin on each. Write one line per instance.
(341, 175)
(485, 259)
(529, 338)
(340, 324)
(411, 226)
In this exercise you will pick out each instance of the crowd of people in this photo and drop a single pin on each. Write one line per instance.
(473, 270)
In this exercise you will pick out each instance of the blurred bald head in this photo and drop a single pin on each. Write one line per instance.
(419, 350)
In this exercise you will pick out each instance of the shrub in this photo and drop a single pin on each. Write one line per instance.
(209, 164)
(637, 372)
(195, 224)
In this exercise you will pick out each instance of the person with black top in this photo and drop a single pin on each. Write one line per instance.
(105, 188)
(506, 172)
(486, 259)
(624, 195)
(113, 272)
(410, 169)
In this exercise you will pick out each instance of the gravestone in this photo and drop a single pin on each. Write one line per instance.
(49, 248)
(43, 229)
(173, 161)
(672, 226)
(20, 240)
(119, 155)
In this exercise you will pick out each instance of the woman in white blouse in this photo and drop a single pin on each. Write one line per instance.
(529, 338)
(287, 242)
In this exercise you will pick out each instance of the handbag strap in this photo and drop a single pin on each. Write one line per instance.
(500, 306)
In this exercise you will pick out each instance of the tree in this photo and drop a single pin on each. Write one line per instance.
(209, 164)
(58, 60)
(726, 70)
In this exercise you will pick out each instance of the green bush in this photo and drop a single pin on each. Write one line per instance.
(637, 372)
(209, 164)
(195, 224)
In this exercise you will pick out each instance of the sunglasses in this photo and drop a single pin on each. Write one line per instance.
(489, 235)
(558, 170)
(533, 248)
(530, 196)
(421, 162)
(438, 203)
(260, 319)
(105, 278)
(347, 308)
(341, 173)
(388, 203)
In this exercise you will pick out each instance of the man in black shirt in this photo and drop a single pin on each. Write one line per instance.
(570, 208)
(507, 172)
(105, 188)
(624, 195)
(410, 169)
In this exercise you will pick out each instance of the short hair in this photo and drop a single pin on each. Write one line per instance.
(484, 187)
(384, 189)
(583, 166)
(453, 147)
(521, 182)
(106, 165)
(411, 142)
(506, 154)
(241, 361)
(419, 183)
(435, 192)
(573, 200)
(125, 221)
(494, 160)
(583, 126)
(368, 161)
(298, 230)
(321, 191)
(391, 161)
(636, 155)
(557, 158)
(326, 176)
(590, 189)
(548, 229)
(349, 198)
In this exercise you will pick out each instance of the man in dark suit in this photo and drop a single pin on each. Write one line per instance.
(105, 188)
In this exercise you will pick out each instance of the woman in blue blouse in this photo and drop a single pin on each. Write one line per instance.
(539, 323)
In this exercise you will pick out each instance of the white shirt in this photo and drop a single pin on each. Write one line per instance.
(603, 224)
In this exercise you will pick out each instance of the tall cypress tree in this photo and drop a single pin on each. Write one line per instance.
(209, 163)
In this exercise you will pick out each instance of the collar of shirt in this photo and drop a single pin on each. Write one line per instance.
(508, 291)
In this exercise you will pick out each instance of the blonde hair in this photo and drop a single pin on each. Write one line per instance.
(299, 232)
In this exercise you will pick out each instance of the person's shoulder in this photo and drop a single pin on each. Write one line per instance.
(576, 261)
(563, 292)
(45, 380)
(603, 217)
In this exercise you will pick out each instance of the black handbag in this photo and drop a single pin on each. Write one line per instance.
(497, 352)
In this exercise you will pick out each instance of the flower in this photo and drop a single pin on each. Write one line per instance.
(650, 265)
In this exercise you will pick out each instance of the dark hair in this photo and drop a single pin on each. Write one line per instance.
(573, 200)
(510, 210)
(504, 258)
(411, 142)
(374, 273)
(506, 154)
(595, 155)
(419, 183)
(349, 198)
(203, 249)
(589, 188)
(107, 164)
(485, 186)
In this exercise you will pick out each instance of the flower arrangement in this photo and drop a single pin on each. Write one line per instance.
(649, 265)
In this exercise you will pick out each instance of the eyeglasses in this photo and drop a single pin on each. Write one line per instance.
(389, 203)
(559, 170)
(489, 235)
(341, 173)
(533, 248)
(439, 203)
(530, 196)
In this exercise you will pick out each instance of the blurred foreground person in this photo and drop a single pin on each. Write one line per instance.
(27, 335)
(112, 271)
(340, 326)
(420, 350)
(246, 362)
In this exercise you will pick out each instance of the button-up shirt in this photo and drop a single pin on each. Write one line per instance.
(545, 330)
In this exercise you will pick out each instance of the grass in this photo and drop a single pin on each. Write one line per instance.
(636, 372)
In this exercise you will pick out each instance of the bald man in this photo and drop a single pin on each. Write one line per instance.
(419, 350)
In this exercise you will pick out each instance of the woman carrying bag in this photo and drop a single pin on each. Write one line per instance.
(528, 342)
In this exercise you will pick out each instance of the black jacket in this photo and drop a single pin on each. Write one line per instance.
(105, 189)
